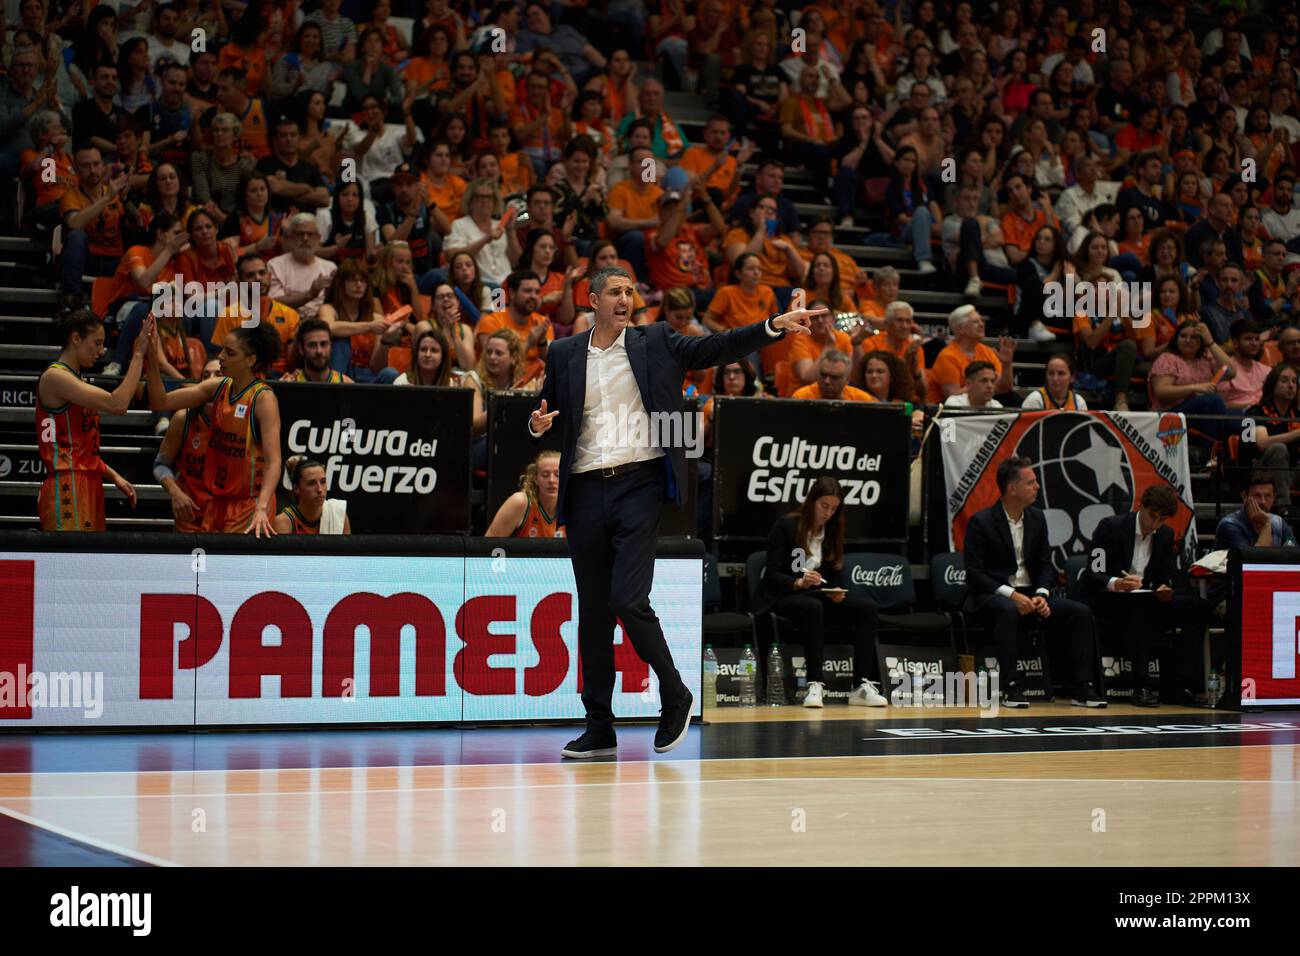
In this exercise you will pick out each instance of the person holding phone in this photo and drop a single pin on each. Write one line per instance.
(805, 567)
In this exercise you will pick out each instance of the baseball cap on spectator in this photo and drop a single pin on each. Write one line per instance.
(405, 171)
(670, 197)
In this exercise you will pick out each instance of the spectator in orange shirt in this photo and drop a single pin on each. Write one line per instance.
(778, 255)
(742, 302)
(1023, 219)
(51, 142)
(806, 350)
(712, 162)
(886, 379)
(93, 216)
(395, 45)
(633, 208)
(516, 168)
(900, 339)
(806, 125)
(133, 282)
(520, 316)
(676, 248)
(541, 127)
(555, 294)
(246, 50)
(883, 288)
(948, 374)
(853, 278)
(832, 383)
(822, 281)
(442, 190)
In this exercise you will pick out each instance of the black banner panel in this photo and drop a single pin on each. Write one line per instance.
(400, 457)
(768, 452)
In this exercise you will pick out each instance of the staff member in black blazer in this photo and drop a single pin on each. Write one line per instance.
(1135, 552)
(805, 571)
(1009, 575)
(608, 384)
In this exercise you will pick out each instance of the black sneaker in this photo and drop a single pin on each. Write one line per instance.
(591, 744)
(674, 721)
(1014, 697)
(1145, 697)
(1087, 696)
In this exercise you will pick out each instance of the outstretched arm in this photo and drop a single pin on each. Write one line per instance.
(707, 351)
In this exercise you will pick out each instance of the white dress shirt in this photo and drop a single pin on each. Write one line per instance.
(1141, 553)
(615, 427)
(1021, 578)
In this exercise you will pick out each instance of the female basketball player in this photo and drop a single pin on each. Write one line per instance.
(528, 512)
(186, 447)
(67, 426)
(310, 491)
(242, 465)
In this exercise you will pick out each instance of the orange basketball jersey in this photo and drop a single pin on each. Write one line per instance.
(300, 524)
(537, 523)
(234, 461)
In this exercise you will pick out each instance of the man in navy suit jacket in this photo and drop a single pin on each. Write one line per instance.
(1135, 551)
(614, 387)
(1009, 576)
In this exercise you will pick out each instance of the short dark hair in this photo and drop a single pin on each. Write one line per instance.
(307, 326)
(974, 368)
(518, 278)
(1258, 478)
(1010, 469)
(1244, 327)
(1161, 499)
(235, 74)
(246, 258)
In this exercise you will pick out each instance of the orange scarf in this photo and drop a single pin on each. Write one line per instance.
(672, 138)
(819, 128)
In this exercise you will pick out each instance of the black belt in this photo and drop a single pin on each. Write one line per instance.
(615, 471)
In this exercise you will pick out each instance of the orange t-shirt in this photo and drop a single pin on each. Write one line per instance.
(105, 230)
(554, 283)
(140, 256)
(422, 70)
(698, 158)
(881, 342)
(682, 262)
(848, 268)
(281, 317)
(733, 308)
(632, 203)
(516, 173)
(190, 265)
(851, 394)
(806, 347)
(774, 262)
(492, 321)
(950, 368)
(548, 134)
(65, 176)
(1021, 234)
(446, 197)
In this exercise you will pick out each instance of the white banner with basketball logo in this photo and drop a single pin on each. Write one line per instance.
(1090, 465)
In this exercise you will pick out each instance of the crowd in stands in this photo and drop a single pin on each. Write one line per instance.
(426, 205)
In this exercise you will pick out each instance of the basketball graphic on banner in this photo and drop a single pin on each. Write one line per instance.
(1083, 472)
(1090, 465)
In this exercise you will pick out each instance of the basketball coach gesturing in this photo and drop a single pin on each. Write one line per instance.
(612, 492)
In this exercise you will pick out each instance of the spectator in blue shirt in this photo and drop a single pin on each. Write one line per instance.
(1254, 526)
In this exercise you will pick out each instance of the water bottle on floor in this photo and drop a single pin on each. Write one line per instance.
(748, 681)
(1214, 688)
(710, 678)
(775, 695)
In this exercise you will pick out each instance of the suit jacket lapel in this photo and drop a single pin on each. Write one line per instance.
(578, 381)
(634, 341)
(1004, 531)
(1130, 540)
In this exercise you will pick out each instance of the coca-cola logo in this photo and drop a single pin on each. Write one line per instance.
(888, 576)
(954, 575)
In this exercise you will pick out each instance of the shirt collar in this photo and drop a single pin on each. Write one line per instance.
(1011, 519)
(618, 343)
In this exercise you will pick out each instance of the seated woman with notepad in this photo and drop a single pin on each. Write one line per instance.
(805, 567)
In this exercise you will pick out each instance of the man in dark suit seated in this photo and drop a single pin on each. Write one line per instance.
(1009, 576)
(1135, 552)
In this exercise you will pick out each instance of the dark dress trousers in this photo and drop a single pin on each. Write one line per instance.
(1142, 616)
(612, 522)
(991, 562)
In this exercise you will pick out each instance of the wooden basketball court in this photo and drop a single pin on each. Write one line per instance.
(1053, 785)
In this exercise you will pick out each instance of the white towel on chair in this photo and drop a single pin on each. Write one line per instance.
(333, 516)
